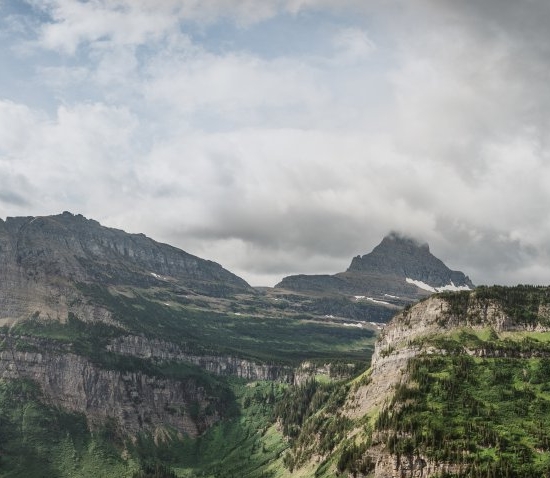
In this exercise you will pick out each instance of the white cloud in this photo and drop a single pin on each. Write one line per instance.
(15, 120)
(353, 44)
(415, 119)
(123, 22)
(242, 88)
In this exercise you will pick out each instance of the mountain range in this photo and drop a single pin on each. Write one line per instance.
(124, 357)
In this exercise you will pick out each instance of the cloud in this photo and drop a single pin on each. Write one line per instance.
(353, 44)
(74, 23)
(239, 88)
(425, 117)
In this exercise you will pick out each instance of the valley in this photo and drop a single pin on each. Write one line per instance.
(123, 357)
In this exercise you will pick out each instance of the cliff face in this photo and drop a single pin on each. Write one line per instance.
(393, 349)
(421, 331)
(135, 400)
(159, 350)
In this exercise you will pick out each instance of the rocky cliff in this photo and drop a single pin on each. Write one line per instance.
(159, 350)
(135, 400)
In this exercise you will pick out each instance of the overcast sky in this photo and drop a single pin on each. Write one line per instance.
(286, 136)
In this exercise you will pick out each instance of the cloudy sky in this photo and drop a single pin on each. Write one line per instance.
(286, 136)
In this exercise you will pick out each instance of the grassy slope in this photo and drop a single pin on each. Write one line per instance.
(278, 338)
(39, 441)
(44, 442)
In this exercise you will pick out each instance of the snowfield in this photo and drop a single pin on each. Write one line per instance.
(362, 297)
(449, 287)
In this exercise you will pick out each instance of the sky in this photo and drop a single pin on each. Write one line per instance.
(286, 136)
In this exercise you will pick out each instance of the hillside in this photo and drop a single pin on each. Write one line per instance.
(43, 259)
(458, 387)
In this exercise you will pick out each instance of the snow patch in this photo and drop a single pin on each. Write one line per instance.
(352, 325)
(157, 276)
(378, 301)
(391, 296)
(448, 287)
(420, 285)
(453, 288)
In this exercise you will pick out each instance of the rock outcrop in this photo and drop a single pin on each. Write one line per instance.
(163, 351)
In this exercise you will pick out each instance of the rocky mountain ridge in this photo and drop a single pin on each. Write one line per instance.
(42, 258)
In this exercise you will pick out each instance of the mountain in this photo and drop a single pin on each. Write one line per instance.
(43, 259)
(398, 271)
(124, 357)
(117, 360)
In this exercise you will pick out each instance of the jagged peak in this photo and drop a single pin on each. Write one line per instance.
(403, 256)
(393, 245)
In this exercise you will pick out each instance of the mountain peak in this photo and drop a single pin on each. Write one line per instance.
(406, 257)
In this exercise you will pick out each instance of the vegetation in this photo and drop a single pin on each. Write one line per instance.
(521, 304)
(480, 400)
(280, 339)
(310, 416)
(246, 445)
(490, 416)
(41, 441)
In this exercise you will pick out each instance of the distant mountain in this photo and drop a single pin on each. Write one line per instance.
(44, 259)
(399, 269)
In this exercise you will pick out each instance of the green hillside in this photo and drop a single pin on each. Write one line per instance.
(473, 400)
